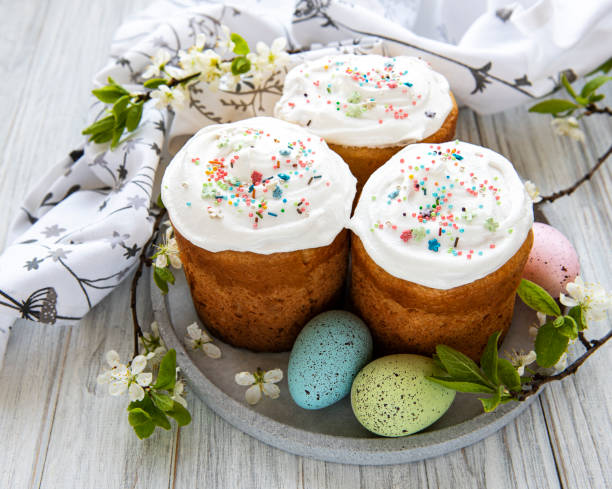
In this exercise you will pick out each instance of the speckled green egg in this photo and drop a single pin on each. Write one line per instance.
(391, 396)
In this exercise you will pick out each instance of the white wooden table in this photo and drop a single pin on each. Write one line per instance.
(58, 429)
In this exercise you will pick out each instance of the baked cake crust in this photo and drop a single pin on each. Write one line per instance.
(405, 317)
(261, 302)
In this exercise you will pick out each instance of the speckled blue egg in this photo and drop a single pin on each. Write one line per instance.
(326, 356)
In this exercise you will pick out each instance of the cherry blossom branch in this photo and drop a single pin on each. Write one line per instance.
(571, 189)
(593, 109)
(144, 260)
(539, 380)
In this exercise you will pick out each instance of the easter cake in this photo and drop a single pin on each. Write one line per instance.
(369, 107)
(441, 236)
(259, 208)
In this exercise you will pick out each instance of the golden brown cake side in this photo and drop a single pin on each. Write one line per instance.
(405, 317)
(261, 302)
(363, 161)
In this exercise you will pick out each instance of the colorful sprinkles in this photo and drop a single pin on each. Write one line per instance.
(391, 77)
(442, 221)
(289, 165)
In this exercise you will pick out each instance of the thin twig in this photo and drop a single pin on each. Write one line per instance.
(539, 381)
(571, 189)
(144, 260)
(586, 343)
(593, 109)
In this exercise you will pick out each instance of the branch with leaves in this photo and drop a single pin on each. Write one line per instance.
(505, 380)
(167, 81)
(564, 123)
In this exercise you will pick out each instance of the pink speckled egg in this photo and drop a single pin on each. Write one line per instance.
(553, 261)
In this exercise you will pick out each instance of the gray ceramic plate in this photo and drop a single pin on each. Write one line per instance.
(333, 433)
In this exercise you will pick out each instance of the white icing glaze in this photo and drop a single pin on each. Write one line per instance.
(260, 185)
(367, 100)
(481, 214)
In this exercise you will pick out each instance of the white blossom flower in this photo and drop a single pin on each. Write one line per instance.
(593, 298)
(199, 340)
(168, 251)
(567, 126)
(269, 58)
(260, 381)
(533, 329)
(164, 96)
(200, 41)
(521, 360)
(158, 60)
(123, 377)
(533, 191)
(153, 345)
(225, 42)
(177, 393)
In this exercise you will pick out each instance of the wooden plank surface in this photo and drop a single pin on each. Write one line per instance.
(60, 430)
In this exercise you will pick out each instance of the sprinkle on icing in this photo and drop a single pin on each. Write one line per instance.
(367, 100)
(443, 215)
(260, 185)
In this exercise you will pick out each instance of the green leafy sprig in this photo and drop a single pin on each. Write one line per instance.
(124, 108)
(157, 405)
(497, 376)
(585, 100)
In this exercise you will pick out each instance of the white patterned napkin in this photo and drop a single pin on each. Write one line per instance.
(81, 229)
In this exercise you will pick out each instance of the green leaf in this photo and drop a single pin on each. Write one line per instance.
(240, 65)
(437, 361)
(460, 366)
(134, 115)
(102, 137)
(157, 416)
(161, 283)
(155, 83)
(550, 345)
(144, 430)
(138, 416)
(569, 327)
(594, 84)
(605, 67)
(166, 377)
(180, 414)
(537, 298)
(109, 94)
(118, 132)
(553, 106)
(120, 105)
(241, 47)
(162, 401)
(577, 314)
(582, 100)
(100, 126)
(567, 86)
(490, 403)
(508, 375)
(488, 360)
(165, 274)
(142, 423)
(461, 385)
(596, 98)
